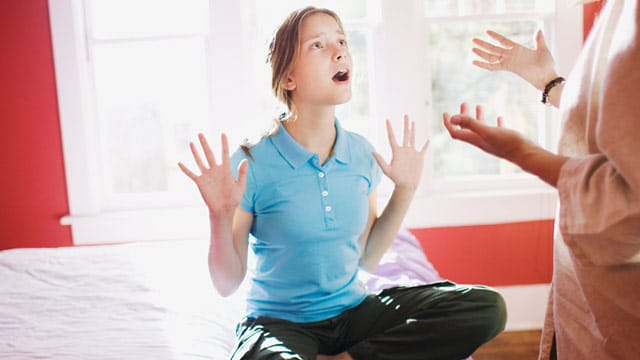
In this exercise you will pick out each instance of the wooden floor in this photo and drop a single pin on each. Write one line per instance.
(511, 345)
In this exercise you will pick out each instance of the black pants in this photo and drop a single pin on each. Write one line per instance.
(435, 321)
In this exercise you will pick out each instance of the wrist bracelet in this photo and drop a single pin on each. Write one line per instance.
(550, 85)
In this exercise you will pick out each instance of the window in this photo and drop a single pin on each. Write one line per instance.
(138, 79)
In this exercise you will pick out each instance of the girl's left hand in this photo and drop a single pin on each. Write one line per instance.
(405, 168)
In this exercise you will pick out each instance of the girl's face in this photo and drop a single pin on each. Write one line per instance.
(321, 74)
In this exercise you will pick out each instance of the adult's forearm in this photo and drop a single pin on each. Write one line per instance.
(540, 162)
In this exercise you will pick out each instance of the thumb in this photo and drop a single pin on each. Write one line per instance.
(383, 164)
(540, 43)
(242, 173)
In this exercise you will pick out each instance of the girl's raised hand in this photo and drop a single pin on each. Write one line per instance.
(405, 168)
(219, 189)
(535, 65)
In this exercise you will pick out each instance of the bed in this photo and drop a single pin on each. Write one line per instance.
(151, 300)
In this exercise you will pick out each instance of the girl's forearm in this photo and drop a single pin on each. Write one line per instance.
(225, 263)
(386, 226)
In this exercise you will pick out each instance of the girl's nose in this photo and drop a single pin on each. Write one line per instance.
(341, 54)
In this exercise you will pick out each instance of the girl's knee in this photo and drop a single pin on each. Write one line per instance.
(494, 311)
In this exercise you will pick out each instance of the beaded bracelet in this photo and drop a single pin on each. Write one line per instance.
(553, 83)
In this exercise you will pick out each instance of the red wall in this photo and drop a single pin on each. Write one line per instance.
(590, 13)
(32, 184)
(505, 254)
(33, 192)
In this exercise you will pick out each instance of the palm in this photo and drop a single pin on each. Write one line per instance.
(535, 65)
(405, 168)
(495, 140)
(217, 185)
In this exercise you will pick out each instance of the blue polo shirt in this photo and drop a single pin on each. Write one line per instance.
(307, 219)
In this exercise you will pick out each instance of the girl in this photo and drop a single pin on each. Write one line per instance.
(306, 194)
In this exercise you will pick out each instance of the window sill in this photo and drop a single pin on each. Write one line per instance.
(481, 207)
(442, 209)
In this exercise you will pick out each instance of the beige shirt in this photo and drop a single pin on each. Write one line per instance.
(594, 304)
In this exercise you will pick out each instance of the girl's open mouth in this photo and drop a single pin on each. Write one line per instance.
(341, 76)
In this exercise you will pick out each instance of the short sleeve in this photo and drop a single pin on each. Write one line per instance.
(374, 172)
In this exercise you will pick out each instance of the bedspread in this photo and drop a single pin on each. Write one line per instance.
(151, 300)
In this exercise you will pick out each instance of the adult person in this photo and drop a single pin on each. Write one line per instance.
(594, 304)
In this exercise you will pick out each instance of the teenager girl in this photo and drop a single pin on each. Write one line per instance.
(306, 193)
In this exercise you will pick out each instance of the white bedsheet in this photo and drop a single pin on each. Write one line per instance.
(137, 301)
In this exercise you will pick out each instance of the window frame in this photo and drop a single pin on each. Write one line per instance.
(437, 203)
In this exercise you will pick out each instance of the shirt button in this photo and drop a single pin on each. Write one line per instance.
(325, 193)
(327, 208)
(321, 174)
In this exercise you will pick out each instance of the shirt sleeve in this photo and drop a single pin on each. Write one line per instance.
(600, 193)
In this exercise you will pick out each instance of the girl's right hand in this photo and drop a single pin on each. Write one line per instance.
(219, 189)
(535, 65)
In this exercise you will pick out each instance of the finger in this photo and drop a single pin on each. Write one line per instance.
(383, 164)
(479, 113)
(425, 146)
(391, 135)
(454, 129)
(540, 43)
(446, 120)
(500, 123)
(406, 131)
(187, 172)
(225, 149)
(242, 173)
(465, 122)
(488, 46)
(492, 58)
(504, 41)
(196, 157)
(412, 135)
(207, 150)
(487, 66)
(464, 108)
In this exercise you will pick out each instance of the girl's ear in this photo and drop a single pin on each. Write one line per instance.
(290, 84)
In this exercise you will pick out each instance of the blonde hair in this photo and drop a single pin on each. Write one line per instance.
(284, 48)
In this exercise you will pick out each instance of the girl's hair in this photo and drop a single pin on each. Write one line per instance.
(284, 49)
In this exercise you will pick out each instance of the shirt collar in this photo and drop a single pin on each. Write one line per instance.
(296, 155)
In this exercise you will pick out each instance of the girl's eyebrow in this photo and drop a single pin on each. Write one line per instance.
(320, 34)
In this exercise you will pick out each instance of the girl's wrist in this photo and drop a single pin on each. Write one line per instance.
(405, 190)
(221, 214)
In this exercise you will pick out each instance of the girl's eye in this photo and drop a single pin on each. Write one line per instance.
(343, 42)
(316, 45)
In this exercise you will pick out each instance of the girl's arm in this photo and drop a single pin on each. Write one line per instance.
(381, 231)
(405, 170)
(230, 225)
(228, 249)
